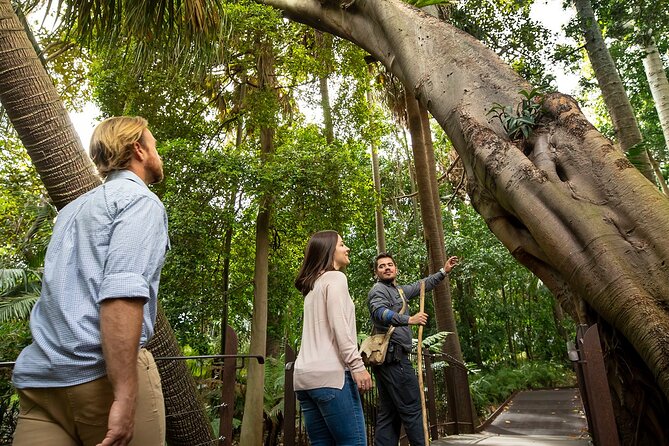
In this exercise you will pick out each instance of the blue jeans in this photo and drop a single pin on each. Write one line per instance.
(334, 417)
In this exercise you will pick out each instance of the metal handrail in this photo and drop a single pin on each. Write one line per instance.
(259, 358)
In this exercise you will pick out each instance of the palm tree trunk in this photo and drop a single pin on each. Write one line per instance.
(41, 121)
(186, 419)
(39, 116)
(613, 92)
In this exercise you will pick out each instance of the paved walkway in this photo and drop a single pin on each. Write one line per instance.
(533, 417)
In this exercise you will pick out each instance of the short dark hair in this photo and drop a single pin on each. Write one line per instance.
(318, 257)
(381, 255)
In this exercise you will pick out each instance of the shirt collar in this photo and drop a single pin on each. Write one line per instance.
(124, 174)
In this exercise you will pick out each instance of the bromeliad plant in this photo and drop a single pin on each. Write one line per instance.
(519, 125)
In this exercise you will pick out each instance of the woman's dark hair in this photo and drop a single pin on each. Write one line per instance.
(318, 257)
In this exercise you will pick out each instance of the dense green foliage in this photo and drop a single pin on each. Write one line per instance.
(207, 124)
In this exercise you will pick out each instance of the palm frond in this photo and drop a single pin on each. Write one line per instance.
(435, 342)
(36, 240)
(16, 281)
(18, 307)
(183, 32)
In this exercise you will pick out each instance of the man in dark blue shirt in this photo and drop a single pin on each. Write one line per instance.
(399, 395)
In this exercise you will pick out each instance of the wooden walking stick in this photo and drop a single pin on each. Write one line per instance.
(420, 365)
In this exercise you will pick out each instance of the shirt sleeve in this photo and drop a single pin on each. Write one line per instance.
(341, 316)
(412, 290)
(380, 309)
(138, 242)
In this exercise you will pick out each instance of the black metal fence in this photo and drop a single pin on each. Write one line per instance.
(217, 382)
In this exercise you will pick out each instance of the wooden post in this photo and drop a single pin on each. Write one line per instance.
(431, 397)
(226, 411)
(603, 429)
(289, 399)
(420, 365)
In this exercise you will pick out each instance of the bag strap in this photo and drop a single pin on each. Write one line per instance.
(386, 338)
(404, 300)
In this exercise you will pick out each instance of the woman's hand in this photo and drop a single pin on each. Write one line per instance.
(363, 380)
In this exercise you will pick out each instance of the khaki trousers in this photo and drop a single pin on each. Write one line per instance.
(77, 415)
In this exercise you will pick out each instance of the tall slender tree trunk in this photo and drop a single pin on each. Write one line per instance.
(252, 432)
(613, 91)
(459, 399)
(508, 326)
(378, 203)
(324, 47)
(230, 208)
(659, 88)
(376, 171)
(464, 303)
(41, 121)
(558, 318)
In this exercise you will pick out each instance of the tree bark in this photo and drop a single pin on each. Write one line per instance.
(613, 91)
(39, 116)
(324, 45)
(659, 89)
(569, 205)
(251, 435)
(41, 121)
(459, 399)
(376, 173)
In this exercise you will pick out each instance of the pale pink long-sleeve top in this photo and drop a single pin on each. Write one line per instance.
(329, 336)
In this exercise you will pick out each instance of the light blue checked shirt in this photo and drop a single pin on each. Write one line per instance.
(109, 243)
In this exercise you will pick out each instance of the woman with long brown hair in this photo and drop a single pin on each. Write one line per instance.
(329, 372)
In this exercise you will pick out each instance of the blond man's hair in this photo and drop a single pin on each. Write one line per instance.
(112, 142)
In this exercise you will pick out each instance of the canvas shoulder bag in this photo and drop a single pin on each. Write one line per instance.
(374, 348)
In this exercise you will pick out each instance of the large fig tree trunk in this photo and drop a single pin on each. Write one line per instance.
(568, 204)
(43, 125)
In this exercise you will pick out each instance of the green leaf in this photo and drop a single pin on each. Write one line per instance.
(17, 308)
(424, 3)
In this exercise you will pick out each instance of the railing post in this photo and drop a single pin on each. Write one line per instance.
(289, 399)
(226, 411)
(431, 399)
(597, 392)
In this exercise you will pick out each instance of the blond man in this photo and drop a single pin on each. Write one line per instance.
(87, 379)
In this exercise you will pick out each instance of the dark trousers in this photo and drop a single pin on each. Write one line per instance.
(399, 402)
